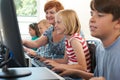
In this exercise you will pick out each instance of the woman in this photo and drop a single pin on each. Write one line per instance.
(55, 41)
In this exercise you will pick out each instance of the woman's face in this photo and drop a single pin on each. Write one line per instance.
(50, 15)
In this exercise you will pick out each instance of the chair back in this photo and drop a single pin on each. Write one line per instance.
(92, 49)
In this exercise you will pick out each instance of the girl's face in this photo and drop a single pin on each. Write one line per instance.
(42, 28)
(59, 26)
(32, 32)
(101, 25)
(50, 15)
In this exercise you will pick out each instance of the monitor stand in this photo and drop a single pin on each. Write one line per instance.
(14, 73)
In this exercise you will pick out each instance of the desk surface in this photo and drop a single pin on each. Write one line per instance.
(38, 73)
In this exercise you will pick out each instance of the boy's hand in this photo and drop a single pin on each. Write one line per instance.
(97, 78)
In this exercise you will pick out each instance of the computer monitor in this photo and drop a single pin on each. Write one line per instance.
(10, 37)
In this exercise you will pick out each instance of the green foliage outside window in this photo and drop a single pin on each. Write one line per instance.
(26, 7)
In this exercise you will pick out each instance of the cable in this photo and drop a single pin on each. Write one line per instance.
(7, 60)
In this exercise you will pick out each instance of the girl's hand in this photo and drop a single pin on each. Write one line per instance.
(52, 63)
(65, 72)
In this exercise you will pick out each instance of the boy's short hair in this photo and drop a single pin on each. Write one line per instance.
(107, 6)
(70, 20)
(53, 3)
(45, 23)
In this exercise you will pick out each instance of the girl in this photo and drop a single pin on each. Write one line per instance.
(34, 32)
(77, 54)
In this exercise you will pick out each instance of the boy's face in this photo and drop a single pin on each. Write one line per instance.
(101, 25)
(42, 28)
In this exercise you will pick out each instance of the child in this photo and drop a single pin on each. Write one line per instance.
(34, 32)
(105, 25)
(77, 52)
(43, 25)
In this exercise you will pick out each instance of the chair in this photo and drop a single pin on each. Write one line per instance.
(92, 49)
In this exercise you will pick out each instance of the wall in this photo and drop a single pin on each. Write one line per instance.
(82, 7)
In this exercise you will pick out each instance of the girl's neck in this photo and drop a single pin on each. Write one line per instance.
(34, 36)
(68, 37)
(57, 37)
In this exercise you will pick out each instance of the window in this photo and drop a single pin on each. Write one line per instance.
(26, 7)
(26, 13)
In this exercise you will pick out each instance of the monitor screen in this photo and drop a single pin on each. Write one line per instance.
(10, 34)
(11, 39)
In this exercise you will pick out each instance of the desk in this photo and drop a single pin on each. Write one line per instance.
(38, 73)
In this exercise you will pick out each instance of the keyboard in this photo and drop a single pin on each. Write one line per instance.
(41, 64)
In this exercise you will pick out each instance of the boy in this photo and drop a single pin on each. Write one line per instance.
(105, 25)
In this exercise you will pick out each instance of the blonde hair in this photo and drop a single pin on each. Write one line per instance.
(70, 20)
(45, 23)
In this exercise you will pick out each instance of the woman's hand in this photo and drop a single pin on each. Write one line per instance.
(29, 51)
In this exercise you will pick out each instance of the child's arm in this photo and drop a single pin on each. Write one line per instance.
(77, 47)
(73, 73)
(97, 78)
(62, 61)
